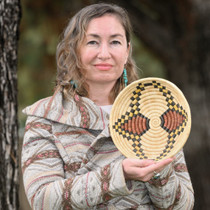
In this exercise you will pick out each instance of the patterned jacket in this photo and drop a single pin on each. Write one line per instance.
(70, 162)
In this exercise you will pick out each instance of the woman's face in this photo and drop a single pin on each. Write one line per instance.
(104, 51)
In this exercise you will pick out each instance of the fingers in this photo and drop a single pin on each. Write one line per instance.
(157, 167)
(134, 168)
(144, 163)
(138, 163)
(143, 170)
(160, 165)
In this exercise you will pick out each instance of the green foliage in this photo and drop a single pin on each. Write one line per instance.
(148, 64)
(36, 67)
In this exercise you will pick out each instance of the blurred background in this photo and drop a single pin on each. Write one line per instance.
(171, 40)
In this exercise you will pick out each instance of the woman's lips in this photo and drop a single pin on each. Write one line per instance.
(103, 67)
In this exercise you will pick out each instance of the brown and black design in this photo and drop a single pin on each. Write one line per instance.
(150, 119)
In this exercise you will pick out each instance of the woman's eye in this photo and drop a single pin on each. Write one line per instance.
(92, 43)
(115, 42)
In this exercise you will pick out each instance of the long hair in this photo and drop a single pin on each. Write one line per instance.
(67, 56)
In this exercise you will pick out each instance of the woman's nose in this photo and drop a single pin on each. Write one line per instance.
(104, 52)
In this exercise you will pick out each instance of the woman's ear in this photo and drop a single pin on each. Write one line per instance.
(128, 51)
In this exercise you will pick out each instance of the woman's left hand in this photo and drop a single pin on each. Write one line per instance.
(143, 170)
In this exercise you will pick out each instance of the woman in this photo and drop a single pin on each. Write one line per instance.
(68, 159)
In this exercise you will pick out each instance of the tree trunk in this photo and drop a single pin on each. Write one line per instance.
(9, 23)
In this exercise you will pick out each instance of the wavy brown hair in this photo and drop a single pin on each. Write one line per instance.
(69, 65)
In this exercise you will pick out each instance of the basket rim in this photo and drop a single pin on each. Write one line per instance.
(122, 104)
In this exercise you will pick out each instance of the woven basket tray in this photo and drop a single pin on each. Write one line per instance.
(150, 119)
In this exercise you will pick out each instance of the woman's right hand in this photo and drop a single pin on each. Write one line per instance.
(143, 170)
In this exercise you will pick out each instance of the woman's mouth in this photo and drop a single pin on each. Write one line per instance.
(103, 66)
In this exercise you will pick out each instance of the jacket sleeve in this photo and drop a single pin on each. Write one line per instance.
(44, 178)
(173, 190)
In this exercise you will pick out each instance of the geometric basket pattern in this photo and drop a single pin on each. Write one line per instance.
(151, 120)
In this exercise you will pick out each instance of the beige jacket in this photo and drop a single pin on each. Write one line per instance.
(70, 162)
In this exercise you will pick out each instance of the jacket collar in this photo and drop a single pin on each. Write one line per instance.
(76, 111)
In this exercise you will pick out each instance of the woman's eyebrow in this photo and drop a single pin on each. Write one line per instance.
(116, 35)
(98, 36)
(93, 35)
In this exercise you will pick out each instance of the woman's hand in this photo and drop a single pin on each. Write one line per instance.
(143, 170)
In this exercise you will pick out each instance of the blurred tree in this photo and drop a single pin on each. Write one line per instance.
(9, 23)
